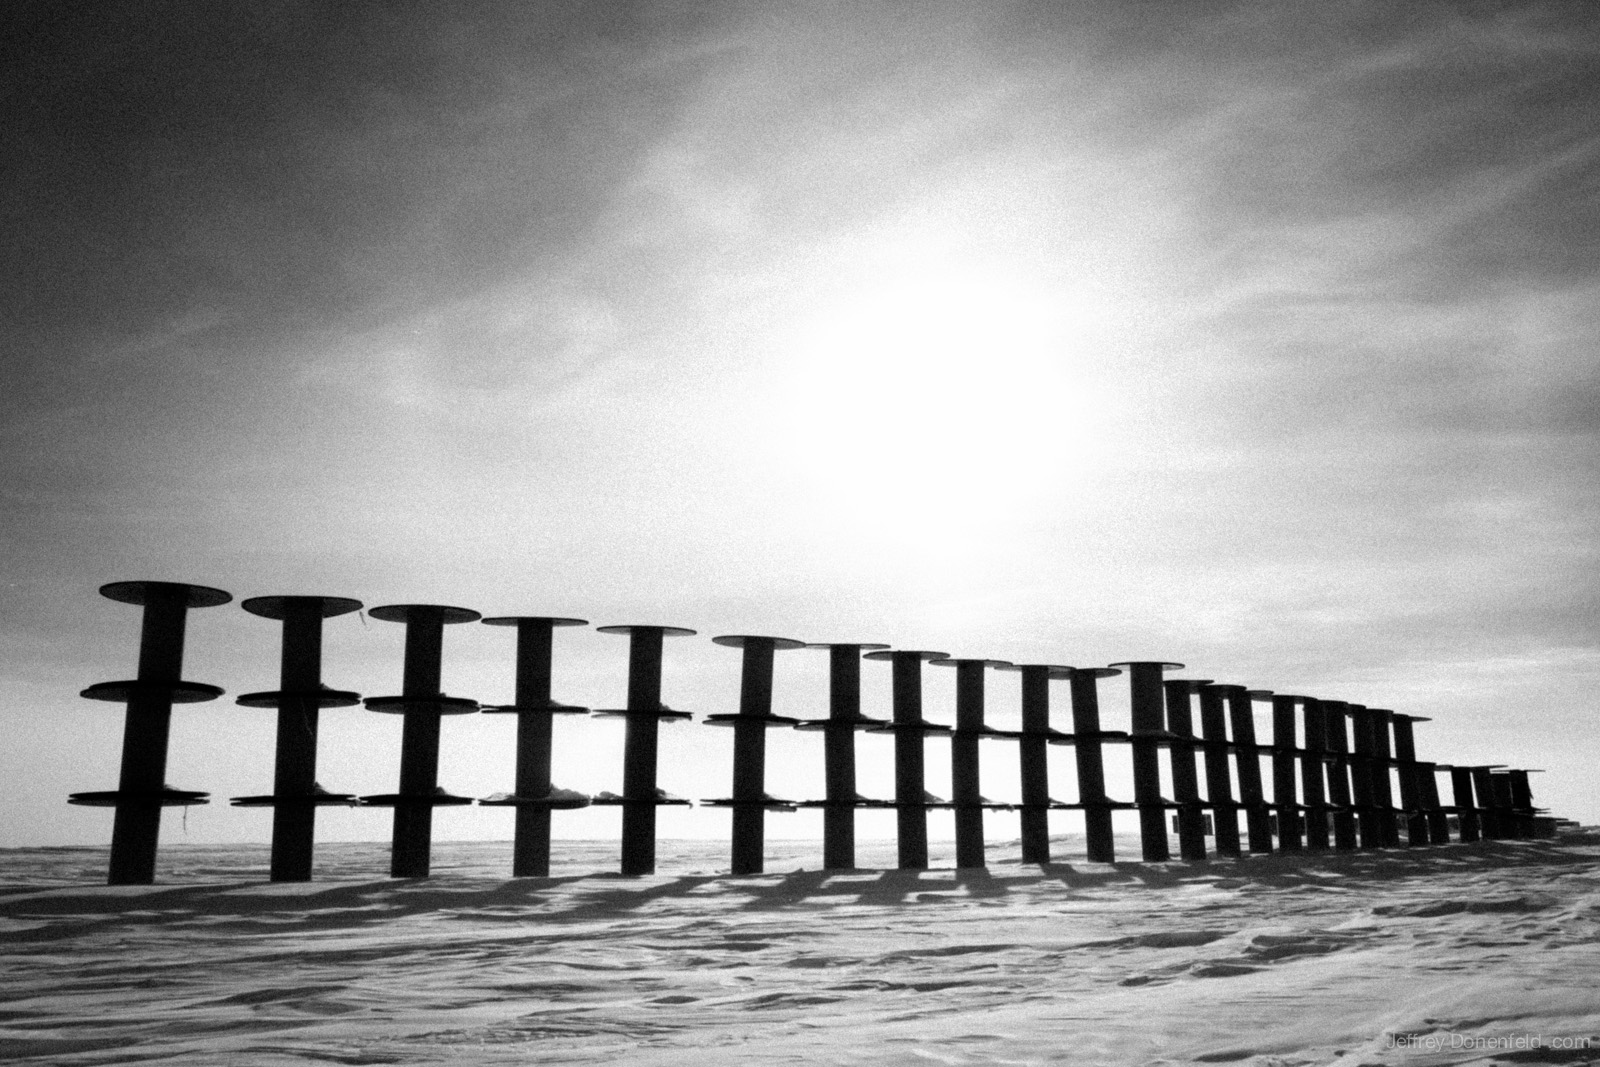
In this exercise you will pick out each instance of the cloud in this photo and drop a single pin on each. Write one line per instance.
(290, 166)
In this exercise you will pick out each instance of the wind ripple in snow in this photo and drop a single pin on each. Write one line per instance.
(1266, 960)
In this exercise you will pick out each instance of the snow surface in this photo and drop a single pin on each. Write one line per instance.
(1483, 953)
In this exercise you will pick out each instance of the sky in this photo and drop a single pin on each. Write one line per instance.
(1258, 337)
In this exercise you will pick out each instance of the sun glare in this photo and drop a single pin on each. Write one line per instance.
(940, 401)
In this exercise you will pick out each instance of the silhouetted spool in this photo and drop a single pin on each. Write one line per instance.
(1433, 807)
(966, 795)
(1382, 778)
(839, 752)
(1468, 816)
(1033, 742)
(750, 802)
(1339, 794)
(1285, 776)
(1489, 815)
(300, 697)
(1522, 809)
(1363, 788)
(1522, 802)
(1504, 805)
(1247, 755)
(421, 705)
(1148, 735)
(141, 790)
(534, 795)
(1428, 794)
(909, 728)
(1313, 768)
(643, 716)
(1088, 740)
(1407, 770)
(1191, 816)
(1219, 772)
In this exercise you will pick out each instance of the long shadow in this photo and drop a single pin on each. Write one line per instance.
(1289, 870)
(262, 908)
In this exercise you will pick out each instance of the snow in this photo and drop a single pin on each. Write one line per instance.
(1482, 953)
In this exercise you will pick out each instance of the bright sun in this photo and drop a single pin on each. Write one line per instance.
(939, 382)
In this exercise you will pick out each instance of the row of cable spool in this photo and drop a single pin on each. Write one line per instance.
(422, 703)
